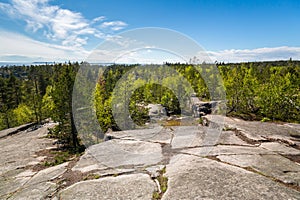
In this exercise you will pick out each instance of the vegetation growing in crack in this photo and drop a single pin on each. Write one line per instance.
(163, 183)
(59, 158)
(54, 157)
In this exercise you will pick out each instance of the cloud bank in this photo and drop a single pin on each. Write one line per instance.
(259, 54)
(16, 47)
(67, 27)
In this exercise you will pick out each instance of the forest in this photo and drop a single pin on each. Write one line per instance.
(266, 91)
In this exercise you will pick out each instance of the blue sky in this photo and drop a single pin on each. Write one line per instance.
(230, 30)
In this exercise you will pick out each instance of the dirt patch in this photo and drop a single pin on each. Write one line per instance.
(71, 177)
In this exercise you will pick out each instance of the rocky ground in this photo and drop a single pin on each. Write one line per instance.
(240, 160)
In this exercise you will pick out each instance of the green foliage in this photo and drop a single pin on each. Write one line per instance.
(156, 195)
(34, 93)
(59, 103)
(254, 89)
(265, 119)
(163, 182)
(258, 90)
(23, 114)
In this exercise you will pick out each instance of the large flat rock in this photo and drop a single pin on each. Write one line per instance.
(135, 186)
(274, 166)
(280, 148)
(180, 136)
(116, 153)
(18, 151)
(40, 185)
(260, 131)
(155, 134)
(88, 163)
(192, 177)
(227, 150)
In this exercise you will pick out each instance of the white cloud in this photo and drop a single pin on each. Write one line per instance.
(58, 24)
(114, 25)
(21, 48)
(98, 19)
(149, 56)
(145, 55)
(156, 56)
(259, 54)
(8, 9)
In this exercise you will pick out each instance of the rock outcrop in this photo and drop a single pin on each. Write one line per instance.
(247, 160)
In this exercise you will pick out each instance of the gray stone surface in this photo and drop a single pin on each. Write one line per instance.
(274, 166)
(155, 134)
(13, 130)
(227, 150)
(48, 174)
(259, 130)
(135, 186)
(192, 177)
(295, 127)
(88, 163)
(154, 170)
(230, 138)
(178, 136)
(18, 152)
(202, 163)
(280, 148)
(187, 136)
(116, 153)
(38, 191)
(39, 186)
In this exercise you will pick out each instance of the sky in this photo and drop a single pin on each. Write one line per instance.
(228, 30)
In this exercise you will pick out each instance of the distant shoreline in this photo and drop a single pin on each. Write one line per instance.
(10, 64)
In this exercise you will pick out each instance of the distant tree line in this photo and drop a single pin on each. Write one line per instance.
(254, 91)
